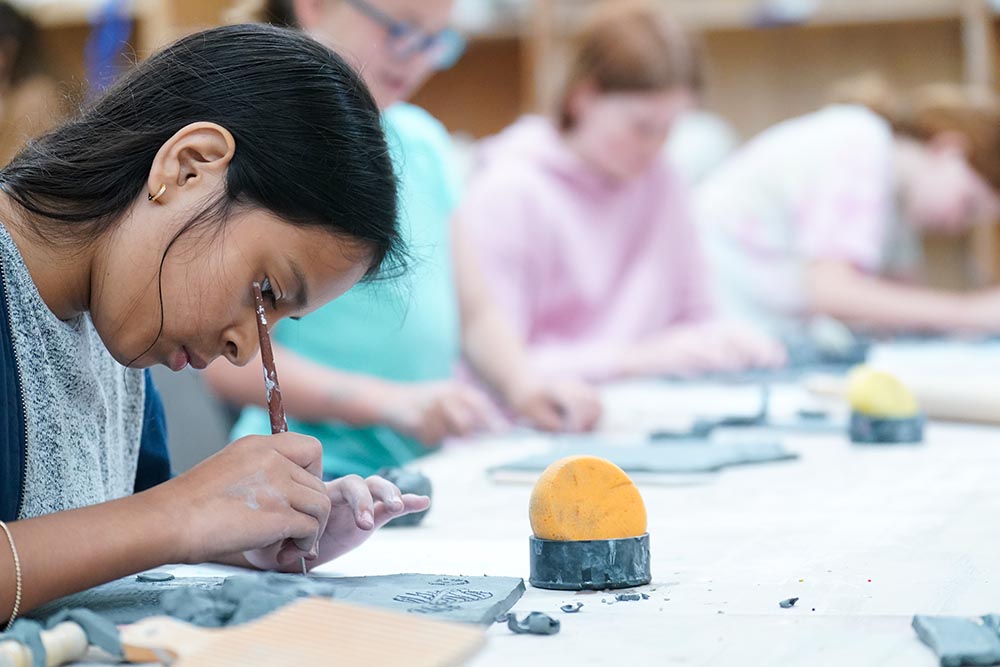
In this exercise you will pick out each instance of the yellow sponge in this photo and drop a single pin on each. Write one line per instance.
(586, 498)
(879, 394)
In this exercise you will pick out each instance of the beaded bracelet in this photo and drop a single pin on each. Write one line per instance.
(17, 574)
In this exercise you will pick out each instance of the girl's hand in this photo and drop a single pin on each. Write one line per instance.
(558, 406)
(433, 411)
(259, 492)
(716, 347)
(359, 507)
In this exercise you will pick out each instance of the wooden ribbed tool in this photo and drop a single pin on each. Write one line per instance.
(306, 633)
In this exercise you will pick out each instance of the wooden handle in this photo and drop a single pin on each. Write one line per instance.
(945, 399)
(66, 642)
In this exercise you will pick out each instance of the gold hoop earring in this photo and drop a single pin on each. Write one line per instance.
(159, 193)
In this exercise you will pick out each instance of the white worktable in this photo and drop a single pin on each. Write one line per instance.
(919, 522)
(864, 536)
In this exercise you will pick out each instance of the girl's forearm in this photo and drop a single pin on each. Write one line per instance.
(311, 392)
(70, 551)
(840, 291)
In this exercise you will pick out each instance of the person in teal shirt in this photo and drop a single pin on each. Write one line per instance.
(370, 375)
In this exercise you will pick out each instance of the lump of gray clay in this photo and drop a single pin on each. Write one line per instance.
(154, 577)
(787, 604)
(958, 641)
(196, 606)
(628, 597)
(572, 608)
(535, 623)
(408, 481)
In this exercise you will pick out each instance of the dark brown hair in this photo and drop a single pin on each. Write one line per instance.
(630, 46)
(932, 109)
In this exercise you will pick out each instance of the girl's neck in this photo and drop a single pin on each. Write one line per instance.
(582, 150)
(62, 274)
(909, 157)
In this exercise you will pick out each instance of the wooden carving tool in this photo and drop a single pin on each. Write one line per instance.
(275, 409)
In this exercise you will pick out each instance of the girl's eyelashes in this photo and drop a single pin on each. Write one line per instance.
(268, 292)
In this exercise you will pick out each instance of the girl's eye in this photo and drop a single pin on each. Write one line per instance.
(268, 292)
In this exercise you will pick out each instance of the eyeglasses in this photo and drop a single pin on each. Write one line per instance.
(444, 48)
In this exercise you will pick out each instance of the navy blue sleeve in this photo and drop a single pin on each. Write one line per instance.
(154, 459)
(12, 426)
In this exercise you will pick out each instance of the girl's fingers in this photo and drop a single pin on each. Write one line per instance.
(302, 450)
(547, 413)
(582, 411)
(411, 503)
(354, 491)
(488, 417)
(458, 417)
(414, 503)
(308, 480)
(385, 491)
(290, 552)
(314, 505)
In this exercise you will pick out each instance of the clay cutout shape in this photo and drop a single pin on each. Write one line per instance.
(215, 600)
(958, 641)
(678, 458)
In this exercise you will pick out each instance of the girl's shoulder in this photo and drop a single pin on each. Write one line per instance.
(410, 125)
(852, 121)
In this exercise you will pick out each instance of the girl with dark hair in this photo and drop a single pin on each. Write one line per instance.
(372, 375)
(130, 237)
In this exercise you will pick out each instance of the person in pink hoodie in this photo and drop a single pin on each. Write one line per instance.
(584, 230)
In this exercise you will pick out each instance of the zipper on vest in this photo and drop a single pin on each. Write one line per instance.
(24, 403)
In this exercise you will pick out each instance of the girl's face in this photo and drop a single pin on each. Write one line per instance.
(206, 278)
(946, 194)
(622, 133)
(383, 39)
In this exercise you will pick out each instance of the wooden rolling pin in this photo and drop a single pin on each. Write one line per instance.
(66, 642)
(947, 399)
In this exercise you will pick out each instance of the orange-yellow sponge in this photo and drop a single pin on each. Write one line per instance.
(586, 498)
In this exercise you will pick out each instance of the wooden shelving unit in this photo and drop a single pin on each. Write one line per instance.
(65, 26)
(756, 76)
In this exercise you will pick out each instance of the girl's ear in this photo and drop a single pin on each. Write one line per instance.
(195, 151)
(950, 141)
(581, 99)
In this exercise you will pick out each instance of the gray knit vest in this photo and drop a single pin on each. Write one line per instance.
(83, 410)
